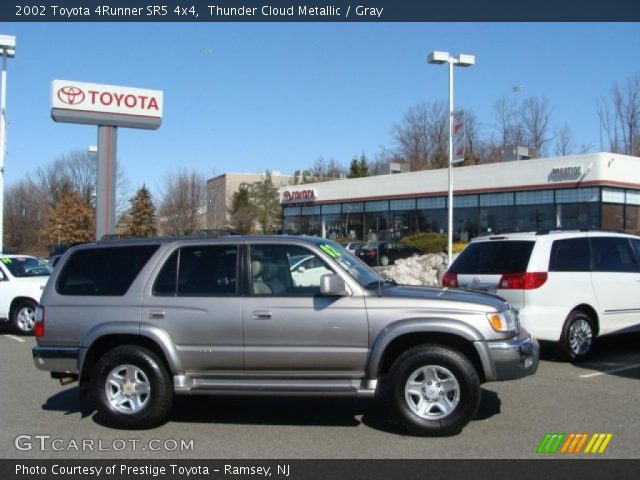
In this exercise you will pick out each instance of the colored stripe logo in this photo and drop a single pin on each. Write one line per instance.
(574, 443)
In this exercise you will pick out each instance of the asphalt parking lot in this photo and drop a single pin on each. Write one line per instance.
(600, 396)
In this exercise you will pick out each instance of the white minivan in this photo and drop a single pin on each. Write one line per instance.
(569, 286)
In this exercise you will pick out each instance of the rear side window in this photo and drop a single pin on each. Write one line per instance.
(494, 257)
(612, 254)
(199, 271)
(570, 255)
(103, 271)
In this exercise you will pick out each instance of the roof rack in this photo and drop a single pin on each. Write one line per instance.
(546, 231)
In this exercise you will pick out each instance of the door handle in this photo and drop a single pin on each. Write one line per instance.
(156, 315)
(261, 315)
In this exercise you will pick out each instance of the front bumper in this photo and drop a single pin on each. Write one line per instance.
(56, 359)
(510, 359)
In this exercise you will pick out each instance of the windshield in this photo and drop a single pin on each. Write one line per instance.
(360, 272)
(26, 267)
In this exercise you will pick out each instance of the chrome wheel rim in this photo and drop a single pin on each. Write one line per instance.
(26, 319)
(580, 337)
(127, 389)
(432, 392)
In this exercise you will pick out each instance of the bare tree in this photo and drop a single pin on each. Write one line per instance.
(507, 122)
(421, 138)
(626, 105)
(472, 128)
(564, 140)
(182, 205)
(24, 217)
(536, 123)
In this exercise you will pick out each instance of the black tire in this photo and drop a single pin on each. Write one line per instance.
(24, 307)
(462, 370)
(568, 349)
(160, 383)
(384, 260)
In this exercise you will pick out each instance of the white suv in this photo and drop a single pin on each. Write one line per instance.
(568, 286)
(22, 279)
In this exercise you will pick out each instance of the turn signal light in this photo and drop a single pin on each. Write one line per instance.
(522, 281)
(450, 280)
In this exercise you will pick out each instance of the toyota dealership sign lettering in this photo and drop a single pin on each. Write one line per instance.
(79, 102)
(298, 195)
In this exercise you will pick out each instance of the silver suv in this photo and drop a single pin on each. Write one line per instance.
(137, 322)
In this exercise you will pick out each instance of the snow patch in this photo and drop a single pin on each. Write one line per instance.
(418, 270)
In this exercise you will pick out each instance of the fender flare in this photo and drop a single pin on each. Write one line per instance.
(422, 325)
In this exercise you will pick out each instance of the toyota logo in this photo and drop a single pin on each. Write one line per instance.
(71, 95)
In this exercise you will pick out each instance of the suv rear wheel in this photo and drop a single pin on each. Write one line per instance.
(433, 391)
(131, 388)
(577, 337)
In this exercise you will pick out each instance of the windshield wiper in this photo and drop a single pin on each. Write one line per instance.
(379, 283)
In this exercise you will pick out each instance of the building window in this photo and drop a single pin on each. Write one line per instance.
(534, 198)
(632, 218)
(354, 207)
(633, 197)
(291, 211)
(465, 223)
(465, 201)
(610, 195)
(311, 210)
(613, 216)
(402, 204)
(496, 219)
(535, 217)
(377, 206)
(578, 215)
(332, 208)
(496, 199)
(577, 195)
(431, 203)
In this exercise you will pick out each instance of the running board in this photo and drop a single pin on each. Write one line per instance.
(188, 385)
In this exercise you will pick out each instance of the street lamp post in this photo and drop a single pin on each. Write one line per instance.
(7, 50)
(461, 60)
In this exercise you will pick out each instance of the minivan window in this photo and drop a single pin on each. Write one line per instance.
(103, 271)
(494, 257)
(570, 255)
(199, 271)
(612, 254)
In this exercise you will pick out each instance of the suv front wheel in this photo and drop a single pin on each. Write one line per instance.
(433, 391)
(131, 388)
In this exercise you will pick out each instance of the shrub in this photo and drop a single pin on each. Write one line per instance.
(427, 242)
(457, 247)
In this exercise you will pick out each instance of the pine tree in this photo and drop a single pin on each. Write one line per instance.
(359, 167)
(266, 204)
(142, 214)
(70, 221)
(242, 213)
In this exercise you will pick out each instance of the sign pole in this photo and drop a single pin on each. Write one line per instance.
(106, 181)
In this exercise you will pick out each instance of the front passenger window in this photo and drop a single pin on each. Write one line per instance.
(286, 271)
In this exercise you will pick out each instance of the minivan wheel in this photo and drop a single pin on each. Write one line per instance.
(24, 317)
(433, 391)
(578, 334)
(131, 388)
(384, 260)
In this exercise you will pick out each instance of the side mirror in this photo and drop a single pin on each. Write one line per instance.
(333, 286)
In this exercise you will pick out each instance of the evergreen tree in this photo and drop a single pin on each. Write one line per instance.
(266, 204)
(71, 220)
(359, 167)
(142, 214)
(242, 213)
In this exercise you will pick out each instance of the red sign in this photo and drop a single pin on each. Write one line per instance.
(298, 195)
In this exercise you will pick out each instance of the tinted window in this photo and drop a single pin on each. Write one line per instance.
(494, 257)
(571, 255)
(103, 271)
(199, 271)
(612, 254)
(275, 272)
(636, 247)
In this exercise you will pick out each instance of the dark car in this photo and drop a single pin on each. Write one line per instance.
(384, 253)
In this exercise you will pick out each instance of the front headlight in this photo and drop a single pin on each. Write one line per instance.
(504, 322)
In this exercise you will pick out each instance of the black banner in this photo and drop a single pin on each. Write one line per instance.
(317, 11)
(582, 469)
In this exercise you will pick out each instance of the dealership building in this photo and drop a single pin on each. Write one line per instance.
(594, 190)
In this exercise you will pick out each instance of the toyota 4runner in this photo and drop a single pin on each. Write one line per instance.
(137, 322)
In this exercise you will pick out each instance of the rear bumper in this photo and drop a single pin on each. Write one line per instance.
(512, 359)
(56, 359)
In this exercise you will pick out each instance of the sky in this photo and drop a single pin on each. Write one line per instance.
(249, 97)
